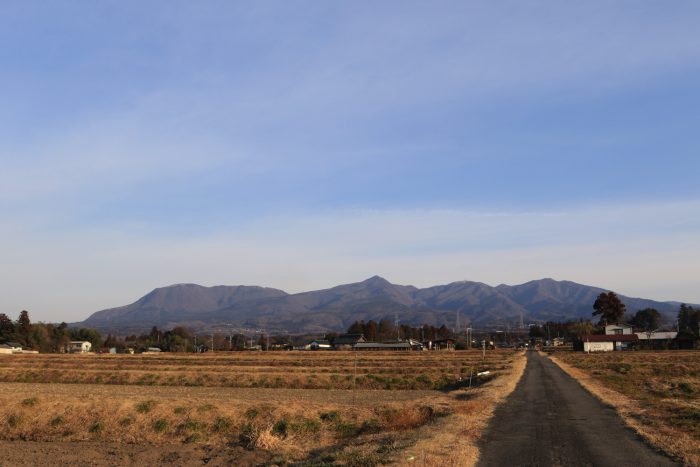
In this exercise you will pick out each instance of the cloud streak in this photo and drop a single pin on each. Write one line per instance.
(609, 246)
(303, 144)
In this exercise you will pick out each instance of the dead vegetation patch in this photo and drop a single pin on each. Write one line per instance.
(377, 423)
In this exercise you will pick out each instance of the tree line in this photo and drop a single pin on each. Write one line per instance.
(610, 310)
(44, 337)
(386, 330)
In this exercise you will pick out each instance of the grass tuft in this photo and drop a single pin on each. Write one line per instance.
(145, 406)
(161, 425)
(30, 402)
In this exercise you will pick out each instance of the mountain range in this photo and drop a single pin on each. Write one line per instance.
(272, 310)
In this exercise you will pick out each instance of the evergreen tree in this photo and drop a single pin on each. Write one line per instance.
(609, 307)
(647, 319)
(688, 322)
(7, 327)
(358, 327)
(24, 325)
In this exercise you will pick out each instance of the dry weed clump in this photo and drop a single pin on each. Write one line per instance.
(452, 440)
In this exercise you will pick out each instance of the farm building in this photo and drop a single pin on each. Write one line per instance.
(79, 347)
(658, 340)
(605, 342)
(401, 345)
(347, 341)
(657, 335)
(10, 347)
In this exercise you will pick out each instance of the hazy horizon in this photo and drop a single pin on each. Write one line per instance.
(302, 145)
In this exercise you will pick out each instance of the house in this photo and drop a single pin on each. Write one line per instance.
(79, 347)
(347, 341)
(319, 344)
(152, 350)
(605, 342)
(617, 329)
(14, 347)
(5, 349)
(558, 341)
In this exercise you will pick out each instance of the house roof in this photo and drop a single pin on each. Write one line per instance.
(382, 345)
(657, 335)
(609, 338)
(348, 339)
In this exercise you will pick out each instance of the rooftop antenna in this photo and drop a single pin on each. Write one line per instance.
(457, 330)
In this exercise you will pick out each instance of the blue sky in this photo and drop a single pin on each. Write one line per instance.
(300, 144)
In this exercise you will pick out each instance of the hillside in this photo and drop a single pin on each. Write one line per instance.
(334, 309)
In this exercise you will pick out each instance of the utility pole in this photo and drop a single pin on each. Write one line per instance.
(396, 324)
(195, 343)
(212, 341)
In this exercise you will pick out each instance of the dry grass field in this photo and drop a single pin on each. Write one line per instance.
(657, 393)
(274, 408)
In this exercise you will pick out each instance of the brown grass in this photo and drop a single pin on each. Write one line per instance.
(453, 442)
(297, 370)
(656, 393)
(379, 423)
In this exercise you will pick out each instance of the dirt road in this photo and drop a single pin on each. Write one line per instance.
(550, 420)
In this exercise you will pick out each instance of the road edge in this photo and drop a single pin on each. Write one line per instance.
(628, 410)
(457, 443)
(503, 389)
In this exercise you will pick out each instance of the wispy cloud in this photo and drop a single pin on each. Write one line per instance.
(304, 144)
(610, 246)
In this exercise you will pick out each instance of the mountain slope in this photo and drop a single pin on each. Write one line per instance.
(376, 298)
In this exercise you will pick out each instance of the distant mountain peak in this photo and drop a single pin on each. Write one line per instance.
(376, 280)
(375, 298)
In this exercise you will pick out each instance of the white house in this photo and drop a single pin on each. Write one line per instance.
(618, 329)
(79, 346)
